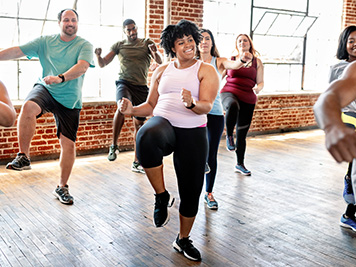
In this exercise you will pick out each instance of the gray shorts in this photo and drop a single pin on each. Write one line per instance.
(137, 94)
(67, 120)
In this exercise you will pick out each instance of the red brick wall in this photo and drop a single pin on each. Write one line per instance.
(349, 13)
(283, 112)
(273, 112)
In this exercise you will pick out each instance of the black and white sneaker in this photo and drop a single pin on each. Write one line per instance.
(63, 195)
(161, 213)
(21, 162)
(186, 247)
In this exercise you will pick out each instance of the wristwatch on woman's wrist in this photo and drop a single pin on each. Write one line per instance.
(192, 105)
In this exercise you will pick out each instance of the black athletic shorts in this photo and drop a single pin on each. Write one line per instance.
(67, 120)
(137, 94)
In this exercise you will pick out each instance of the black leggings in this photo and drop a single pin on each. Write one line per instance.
(158, 138)
(215, 127)
(240, 114)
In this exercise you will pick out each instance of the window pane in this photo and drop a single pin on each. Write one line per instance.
(299, 5)
(321, 41)
(8, 32)
(8, 8)
(89, 12)
(111, 12)
(279, 49)
(8, 70)
(28, 76)
(28, 10)
(29, 30)
(135, 9)
(56, 6)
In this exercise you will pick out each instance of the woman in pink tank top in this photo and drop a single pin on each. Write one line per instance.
(182, 92)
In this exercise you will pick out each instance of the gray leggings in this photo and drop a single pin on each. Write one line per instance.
(158, 138)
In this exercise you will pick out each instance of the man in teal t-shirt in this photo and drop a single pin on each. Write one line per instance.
(65, 58)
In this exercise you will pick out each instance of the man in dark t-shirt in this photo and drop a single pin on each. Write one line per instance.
(134, 55)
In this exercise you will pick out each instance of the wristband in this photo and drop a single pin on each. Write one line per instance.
(62, 77)
(192, 105)
(243, 61)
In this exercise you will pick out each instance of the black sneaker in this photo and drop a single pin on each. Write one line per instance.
(63, 195)
(186, 247)
(21, 162)
(161, 213)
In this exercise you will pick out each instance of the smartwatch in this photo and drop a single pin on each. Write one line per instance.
(62, 77)
(192, 105)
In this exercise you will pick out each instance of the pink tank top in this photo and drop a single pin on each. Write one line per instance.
(170, 105)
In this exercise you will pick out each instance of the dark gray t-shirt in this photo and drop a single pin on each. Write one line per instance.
(135, 59)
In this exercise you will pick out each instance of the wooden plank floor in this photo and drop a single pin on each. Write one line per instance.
(285, 214)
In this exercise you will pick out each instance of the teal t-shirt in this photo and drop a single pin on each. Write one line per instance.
(56, 57)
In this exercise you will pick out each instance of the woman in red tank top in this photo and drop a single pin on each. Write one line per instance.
(239, 96)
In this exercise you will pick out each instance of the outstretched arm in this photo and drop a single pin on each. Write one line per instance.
(259, 78)
(11, 53)
(155, 53)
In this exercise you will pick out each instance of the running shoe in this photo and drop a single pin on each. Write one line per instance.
(348, 192)
(113, 152)
(63, 195)
(21, 162)
(161, 213)
(240, 168)
(186, 247)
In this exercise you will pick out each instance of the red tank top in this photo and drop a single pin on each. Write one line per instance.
(240, 83)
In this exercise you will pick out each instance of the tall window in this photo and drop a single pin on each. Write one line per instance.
(279, 37)
(100, 22)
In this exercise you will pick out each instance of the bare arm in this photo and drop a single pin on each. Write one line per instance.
(106, 60)
(7, 111)
(146, 108)
(73, 73)
(340, 140)
(155, 53)
(226, 64)
(209, 86)
(11, 53)
(259, 79)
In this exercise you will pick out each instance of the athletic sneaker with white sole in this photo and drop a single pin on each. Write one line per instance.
(186, 247)
(161, 214)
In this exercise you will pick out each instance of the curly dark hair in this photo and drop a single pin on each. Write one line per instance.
(172, 32)
(341, 52)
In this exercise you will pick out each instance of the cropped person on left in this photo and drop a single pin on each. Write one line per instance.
(7, 111)
(182, 93)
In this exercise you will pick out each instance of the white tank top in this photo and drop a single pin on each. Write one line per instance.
(170, 105)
